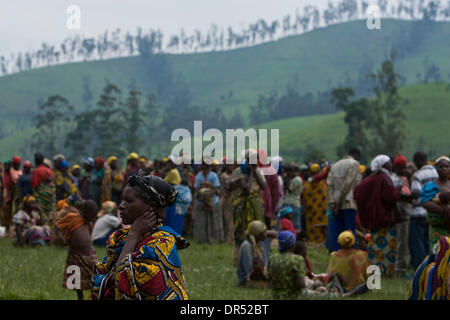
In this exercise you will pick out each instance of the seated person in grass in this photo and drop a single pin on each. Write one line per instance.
(347, 267)
(29, 228)
(106, 224)
(286, 270)
(252, 258)
(76, 226)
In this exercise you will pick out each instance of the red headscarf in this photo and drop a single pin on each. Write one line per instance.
(17, 159)
(100, 161)
(400, 161)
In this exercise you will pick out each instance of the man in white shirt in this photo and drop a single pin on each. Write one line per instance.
(341, 182)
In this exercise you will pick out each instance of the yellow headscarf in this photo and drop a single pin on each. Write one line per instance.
(28, 199)
(315, 168)
(111, 159)
(346, 239)
(255, 228)
(362, 168)
(133, 156)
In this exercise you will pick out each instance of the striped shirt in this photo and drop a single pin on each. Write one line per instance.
(425, 174)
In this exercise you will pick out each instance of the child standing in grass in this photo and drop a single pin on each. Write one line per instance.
(76, 227)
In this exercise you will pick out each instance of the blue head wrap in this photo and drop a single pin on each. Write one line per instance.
(89, 161)
(286, 240)
(284, 210)
(244, 167)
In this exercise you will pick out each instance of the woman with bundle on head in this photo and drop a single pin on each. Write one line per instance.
(142, 260)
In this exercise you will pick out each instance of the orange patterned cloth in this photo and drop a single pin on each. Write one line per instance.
(69, 223)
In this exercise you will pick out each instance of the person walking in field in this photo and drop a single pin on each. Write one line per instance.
(76, 227)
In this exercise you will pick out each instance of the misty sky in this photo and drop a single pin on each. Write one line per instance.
(24, 25)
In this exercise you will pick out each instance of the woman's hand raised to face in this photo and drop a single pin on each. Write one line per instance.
(145, 223)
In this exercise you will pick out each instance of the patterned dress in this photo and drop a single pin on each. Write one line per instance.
(45, 195)
(382, 248)
(30, 231)
(431, 280)
(315, 206)
(284, 269)
(152, 272)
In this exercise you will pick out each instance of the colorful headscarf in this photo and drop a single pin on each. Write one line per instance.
(315, 168)
(255, 228)
(27, 199)
(111, 159)
(154, 189)
(346, 239)
(89, 161)
(27, 164)
(378, 162)
(442, 158)
(63, 165)
(362, 168)
(133, 156)
(61, 204)
(284, 211)
(100, 161)
(108, 207)
(286, 240)
(400, 161)
(17, 160)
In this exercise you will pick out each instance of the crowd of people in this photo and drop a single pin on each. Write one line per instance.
(393, 213)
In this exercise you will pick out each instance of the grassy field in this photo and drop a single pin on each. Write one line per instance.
(36, 273)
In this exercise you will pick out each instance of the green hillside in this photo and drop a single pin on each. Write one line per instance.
(427, 112)
(427, 125)
(319, 58)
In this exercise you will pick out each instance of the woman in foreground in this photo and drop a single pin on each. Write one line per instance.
(142, 260)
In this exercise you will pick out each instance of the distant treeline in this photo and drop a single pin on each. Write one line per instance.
(121, 44)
